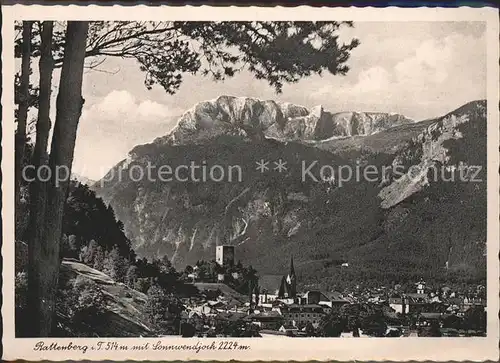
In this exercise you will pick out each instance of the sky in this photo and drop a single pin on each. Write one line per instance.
(418, 69)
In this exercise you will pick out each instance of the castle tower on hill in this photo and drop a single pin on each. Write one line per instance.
(224, 255)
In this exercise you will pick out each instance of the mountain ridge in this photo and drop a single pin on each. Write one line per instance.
(276, 215)
(254, 118)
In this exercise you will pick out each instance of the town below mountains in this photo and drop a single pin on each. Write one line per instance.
(222, 298)
(273, 255)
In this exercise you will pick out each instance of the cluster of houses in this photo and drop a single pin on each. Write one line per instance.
(435, 306)
(277, 308)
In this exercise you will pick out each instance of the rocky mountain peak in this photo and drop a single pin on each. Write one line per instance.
(254, 119)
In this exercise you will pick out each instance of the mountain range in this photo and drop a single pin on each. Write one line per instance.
(254, 119)
(398, 226)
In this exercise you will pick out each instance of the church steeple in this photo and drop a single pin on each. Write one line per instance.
(292, 280)
(292, 269)
(283, 290)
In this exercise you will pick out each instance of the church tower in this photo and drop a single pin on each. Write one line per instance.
(283, 291)
(292, 280)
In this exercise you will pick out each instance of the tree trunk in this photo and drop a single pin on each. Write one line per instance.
(38, 188)
(46, 68)
(20, 140)
(45, 260)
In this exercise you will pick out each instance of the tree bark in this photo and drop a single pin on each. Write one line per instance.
(46, 68)
(45, 262)
(38, 188)
(20, 139)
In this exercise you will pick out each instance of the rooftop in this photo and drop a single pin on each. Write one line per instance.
(266, 315)
(307, 306)
(433, 315)
(223, 288)
(231, 316)
(336, 296)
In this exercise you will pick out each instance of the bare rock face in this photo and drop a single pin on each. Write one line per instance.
(428, 155)
(255, 119)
